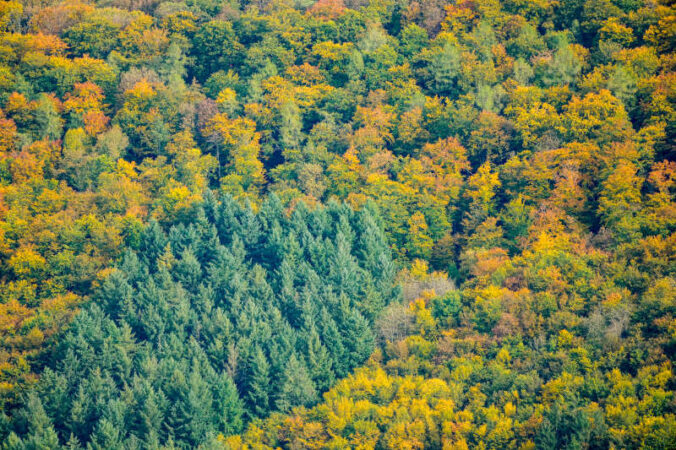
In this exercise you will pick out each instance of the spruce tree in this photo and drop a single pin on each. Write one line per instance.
(41, 434)
(253, 298)
(256, 392)
(318, 360)
(227, 406)
(297, 388)
(334, 342)
(106, 437)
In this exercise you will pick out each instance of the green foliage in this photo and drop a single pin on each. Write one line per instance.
(195, 331)
(215, 47)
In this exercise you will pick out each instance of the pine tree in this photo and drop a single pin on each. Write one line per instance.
(150, 417)
(445, 69)
(188, 271)
(151, 362)
(106, 436)
(115, 295)
(334, 343)
(318, 360)
(345, 272)
(73, 443)
(41, 434)
(358, 337)
(153, 242)
(191, 414)
(227, 406)
(297, 388)
(257, 385)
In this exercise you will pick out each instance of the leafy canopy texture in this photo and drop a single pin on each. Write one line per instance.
(205, 326)
(521, 155)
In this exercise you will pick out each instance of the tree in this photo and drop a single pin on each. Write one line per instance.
(257, 398)
(192, 412)
(297, 388)
(9, 15)
(445, 68)
(619, 201)
(227, 406)
(562, 68)
(522, 148)
(141, 119)
(215, 47)
(597, 117)
(566, 428)
(241, 142)
(95, 37)
(420, 243)
(480, 196)
(41, 432)
(106, 436)
(319, 362)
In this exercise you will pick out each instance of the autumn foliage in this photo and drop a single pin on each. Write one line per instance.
(516, 160)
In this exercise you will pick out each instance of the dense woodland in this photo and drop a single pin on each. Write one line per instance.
(337, 224)
(214, 323)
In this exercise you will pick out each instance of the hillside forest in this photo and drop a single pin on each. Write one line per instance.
(302, 224)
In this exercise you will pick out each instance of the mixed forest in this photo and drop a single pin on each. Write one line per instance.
(389, 224)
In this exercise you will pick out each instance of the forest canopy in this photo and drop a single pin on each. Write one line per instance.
(202, 327)
(337, 223)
